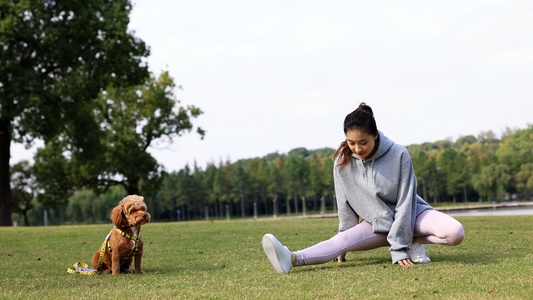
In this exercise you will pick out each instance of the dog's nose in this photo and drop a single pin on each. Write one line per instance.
(145, 216)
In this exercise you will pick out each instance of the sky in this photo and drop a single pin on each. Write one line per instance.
(271, 76)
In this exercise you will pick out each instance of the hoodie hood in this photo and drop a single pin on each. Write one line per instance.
(384, 145)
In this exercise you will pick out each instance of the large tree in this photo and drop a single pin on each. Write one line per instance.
(131, 119)
(24, 188)
(55, 57)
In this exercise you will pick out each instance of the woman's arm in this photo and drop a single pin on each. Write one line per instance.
(347, 216)
(401, 233)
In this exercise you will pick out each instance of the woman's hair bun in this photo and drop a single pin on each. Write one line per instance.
(365, 107)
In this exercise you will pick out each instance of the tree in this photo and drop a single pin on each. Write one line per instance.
(24, 187)
(297, 174)
(328, 176)
(208, 183)
(425, 169)
(222, 186)
(292, 174)
(457, 175)
(316, 176)
(492, 180)
(524, 179)
(55, 57)
(516, 148)
(167, 195)
(263, 181)
(240, 181)
(464, 142)
(184, 188)
(275, 187)
(131, 119)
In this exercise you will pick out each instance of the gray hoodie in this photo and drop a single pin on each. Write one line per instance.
(381, 190)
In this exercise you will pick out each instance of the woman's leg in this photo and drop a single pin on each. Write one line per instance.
(358, 238)
(434, 227)
(431, 227)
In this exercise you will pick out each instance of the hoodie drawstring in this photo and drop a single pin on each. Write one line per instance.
(364, 169)
(372, 168)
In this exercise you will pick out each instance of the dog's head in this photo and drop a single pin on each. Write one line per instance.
(131, 211)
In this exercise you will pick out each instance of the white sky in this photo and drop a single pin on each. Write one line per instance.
(276, 75)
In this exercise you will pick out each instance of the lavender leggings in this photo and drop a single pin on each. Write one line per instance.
(431, 227)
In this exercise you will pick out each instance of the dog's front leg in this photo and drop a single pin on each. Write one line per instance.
(115, 262)
(138, 261)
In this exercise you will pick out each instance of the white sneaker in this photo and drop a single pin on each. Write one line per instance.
(279, 255)
(417, 253)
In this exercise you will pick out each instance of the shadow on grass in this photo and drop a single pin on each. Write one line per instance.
(185, 268)
(485, 258)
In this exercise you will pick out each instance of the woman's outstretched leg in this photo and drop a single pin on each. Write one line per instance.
(358, 238)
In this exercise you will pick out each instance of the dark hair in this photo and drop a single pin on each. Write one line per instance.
(360, 119)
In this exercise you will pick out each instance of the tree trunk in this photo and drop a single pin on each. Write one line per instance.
(295, 200)
(314, 199)
(132, 187)
(25, 216)
(243, 214)
(5, 176)
(425, 191)
(216, 208)
(265, 199)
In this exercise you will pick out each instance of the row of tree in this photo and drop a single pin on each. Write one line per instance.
(470, 169)
(301, 181)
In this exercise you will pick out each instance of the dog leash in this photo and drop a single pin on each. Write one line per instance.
(81, 268)
(102, 251)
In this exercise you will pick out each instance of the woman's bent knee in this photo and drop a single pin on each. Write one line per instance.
(457, 235)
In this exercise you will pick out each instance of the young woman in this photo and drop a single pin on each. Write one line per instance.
(374, 180)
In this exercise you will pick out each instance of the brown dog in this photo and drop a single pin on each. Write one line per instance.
(125, 241)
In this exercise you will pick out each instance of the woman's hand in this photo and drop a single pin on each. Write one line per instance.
(406, 262)
(340, 261)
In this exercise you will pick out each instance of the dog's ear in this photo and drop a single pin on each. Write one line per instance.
(118, 217)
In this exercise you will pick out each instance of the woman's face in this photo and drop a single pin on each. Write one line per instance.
(360, 142)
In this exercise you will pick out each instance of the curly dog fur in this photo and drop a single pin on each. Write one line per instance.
(128, 217)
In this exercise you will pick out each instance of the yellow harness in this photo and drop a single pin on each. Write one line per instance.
(105, 245)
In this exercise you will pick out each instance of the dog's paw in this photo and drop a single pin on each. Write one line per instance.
(140, 272)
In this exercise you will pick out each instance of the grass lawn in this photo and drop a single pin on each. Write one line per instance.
(224, 259)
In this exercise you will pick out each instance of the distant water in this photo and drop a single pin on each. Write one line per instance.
(492, 212)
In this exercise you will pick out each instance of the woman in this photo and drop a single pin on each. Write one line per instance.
(374, 180)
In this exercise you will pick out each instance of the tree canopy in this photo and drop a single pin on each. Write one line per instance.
(130, 120)
(55, 58)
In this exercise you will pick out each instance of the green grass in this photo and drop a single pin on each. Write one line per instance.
(221, 260)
